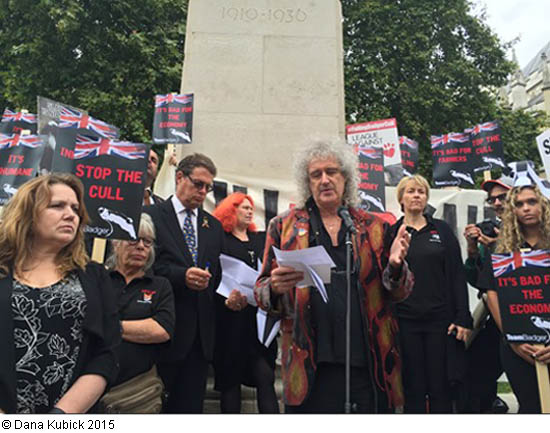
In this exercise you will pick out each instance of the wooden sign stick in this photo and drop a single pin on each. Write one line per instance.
(543, 380)
(98, 250)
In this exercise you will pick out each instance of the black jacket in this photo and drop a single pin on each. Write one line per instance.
(101, 333)
(194, 309)
(456, 290)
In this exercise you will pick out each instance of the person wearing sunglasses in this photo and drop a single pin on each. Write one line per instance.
(484, 365)
(189, 242)
(145, 304)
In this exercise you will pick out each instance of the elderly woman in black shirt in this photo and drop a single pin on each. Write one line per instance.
(146, 302)
(434, 319)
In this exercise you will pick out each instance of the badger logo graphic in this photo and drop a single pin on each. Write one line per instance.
(121, 220)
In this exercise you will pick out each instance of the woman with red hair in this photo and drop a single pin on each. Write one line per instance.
(239, 357)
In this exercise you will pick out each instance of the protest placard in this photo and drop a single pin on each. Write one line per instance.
(452, 159)
(19, 158)
(523, 285)
(113, 174)
(15, 122)
(173, 120)
(371, 168)
(543, 142)
(409, 155)
(487, 152)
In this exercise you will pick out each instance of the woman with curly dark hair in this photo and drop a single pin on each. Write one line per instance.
(239, 357)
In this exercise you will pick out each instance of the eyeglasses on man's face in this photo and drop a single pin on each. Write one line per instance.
(147, 242)
(199, 184)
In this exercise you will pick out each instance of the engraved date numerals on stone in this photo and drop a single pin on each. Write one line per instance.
(282, 16)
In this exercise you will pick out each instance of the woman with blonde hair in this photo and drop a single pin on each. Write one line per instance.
(58, 320)
(434, 319)
(525, 225)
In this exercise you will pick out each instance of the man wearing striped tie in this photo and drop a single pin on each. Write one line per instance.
(189, 242)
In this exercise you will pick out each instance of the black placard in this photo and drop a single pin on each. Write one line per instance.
(453, 162)
(173, 120)
(409, 155)
(113, 173)
(19, 158)
(486, 146)
(523, 285)
(15, 122)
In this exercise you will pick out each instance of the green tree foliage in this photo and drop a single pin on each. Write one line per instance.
(428, 63)
(519, 133)
(107, 57)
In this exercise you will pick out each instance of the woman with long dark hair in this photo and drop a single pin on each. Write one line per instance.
(58, 319)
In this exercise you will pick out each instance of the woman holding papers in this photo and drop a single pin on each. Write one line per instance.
(434, 319)
(525, 225)
(58, 319)
(239, 357)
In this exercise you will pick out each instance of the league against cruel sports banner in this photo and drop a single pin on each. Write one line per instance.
(523, 285)
(173, 120)
(19, 158)
(371, 170)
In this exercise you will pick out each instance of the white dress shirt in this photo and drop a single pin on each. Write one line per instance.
(182, 214)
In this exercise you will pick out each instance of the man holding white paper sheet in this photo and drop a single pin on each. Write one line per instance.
(313, 331)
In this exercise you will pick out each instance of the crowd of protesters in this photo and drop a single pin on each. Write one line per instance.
(80, 337)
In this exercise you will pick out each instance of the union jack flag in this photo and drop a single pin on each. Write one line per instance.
(18, 116)
(505, 263)
(70, 118)
(452, 137)
(91, 147)
(14, 140)
(408, 142)
(161, 100)
(482, 127)
(368, 152)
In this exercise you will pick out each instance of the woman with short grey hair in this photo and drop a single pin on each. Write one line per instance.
(145, 303)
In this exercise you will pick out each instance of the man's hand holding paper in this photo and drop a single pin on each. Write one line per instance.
(300, 268)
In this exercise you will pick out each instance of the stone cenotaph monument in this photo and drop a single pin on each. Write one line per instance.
(267, 76)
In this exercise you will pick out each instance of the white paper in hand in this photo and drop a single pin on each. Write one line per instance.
(237, 275)
(314, 262)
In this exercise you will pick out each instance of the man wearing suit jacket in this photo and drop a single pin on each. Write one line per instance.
(189, 243)
(152, 170)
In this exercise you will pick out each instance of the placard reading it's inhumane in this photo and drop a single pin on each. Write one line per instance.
(522, 282)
